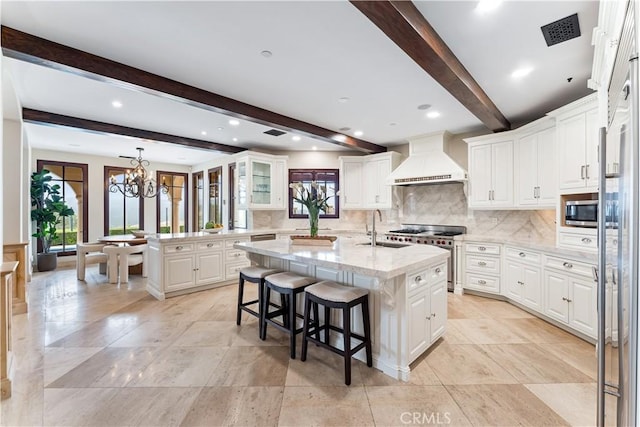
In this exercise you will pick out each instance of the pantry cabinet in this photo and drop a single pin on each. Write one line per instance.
(363, 181)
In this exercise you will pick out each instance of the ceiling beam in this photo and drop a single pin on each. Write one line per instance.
(52, 119)
(26, 47)
(403, 23)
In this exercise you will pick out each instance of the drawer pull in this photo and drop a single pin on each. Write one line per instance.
(482, 282)
(236, 254)
(586, 240)
(179, 248)
(482, 263)
(522, 255)
(209, 245)
(236, 241)
(482, 248)
(520, 283)
(438, 270)
(567, 265)
(419, 280)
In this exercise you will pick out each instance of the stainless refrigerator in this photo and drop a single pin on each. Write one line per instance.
(618, 232)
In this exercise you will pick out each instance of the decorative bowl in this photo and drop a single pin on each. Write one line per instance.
(139, 233)
(213, 230)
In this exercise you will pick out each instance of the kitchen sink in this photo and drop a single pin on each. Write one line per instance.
(385, 244)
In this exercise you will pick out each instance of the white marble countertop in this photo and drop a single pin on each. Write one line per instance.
(349, 254)
(199, 235)
(547, 246)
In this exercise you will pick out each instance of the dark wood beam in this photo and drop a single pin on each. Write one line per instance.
(26, 47)
(403, 23)
(52, 119)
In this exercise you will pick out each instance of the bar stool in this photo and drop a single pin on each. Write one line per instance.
(332, 295)
(254, 275)
(288, 285)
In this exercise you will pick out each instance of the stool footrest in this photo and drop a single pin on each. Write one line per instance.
(336, 350)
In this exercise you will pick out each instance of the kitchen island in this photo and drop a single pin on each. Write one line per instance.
(407, 290)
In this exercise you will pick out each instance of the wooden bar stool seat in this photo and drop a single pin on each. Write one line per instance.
(254, 275)
(288, 285)
(333, 295)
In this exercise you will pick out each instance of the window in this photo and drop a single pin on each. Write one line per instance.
(172, 216)
(324, 177)
(198, 200)
(72, 179)
(215, 195)
(122, 214)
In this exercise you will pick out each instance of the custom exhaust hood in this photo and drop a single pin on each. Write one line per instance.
(428, 163)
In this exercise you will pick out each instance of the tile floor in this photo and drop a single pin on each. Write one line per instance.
(98, 354)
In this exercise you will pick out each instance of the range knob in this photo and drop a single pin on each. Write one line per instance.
(418, 241)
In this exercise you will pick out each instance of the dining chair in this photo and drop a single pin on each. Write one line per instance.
(121, 257)
(88, 253)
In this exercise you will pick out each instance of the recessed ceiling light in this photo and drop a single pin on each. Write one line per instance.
(314, 148)
(235, 139)
(392, 124)
(343, 99)
(433, 114)
(204, 132)
(220, 128)
(424, 106)
(358, 133)
(234, 122)
(74, 145)
(266, 53)
(295, 138)
(521, 72)
(116, 104)
(485, 6)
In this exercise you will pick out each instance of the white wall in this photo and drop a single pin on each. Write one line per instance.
(14, 179)
(96, 166)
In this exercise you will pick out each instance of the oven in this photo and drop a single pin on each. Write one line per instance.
(436, 235)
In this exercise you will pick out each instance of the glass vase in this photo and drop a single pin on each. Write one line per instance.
(313, 222)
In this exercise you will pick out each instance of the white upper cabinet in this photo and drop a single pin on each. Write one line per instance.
(260, 181)
(491, 173)
(536, 169)
(577, 133)
(363, 181)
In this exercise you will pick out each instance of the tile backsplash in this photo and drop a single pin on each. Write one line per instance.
(432, 204)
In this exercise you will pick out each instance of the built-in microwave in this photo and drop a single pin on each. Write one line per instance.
(584, 213)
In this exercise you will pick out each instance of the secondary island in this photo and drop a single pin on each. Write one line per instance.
(407, 285)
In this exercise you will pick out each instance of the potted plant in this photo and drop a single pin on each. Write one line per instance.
(47, 210)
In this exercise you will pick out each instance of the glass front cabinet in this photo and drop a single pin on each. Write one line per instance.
(260, 182)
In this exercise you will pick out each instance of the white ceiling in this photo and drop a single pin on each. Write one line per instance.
(322, 51)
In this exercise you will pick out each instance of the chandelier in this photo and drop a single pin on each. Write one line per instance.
(138, 183)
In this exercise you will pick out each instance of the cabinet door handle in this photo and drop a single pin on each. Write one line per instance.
(489, 196)
(586, 240)
(565, 299)
(433, 315)
(567, 265)
(482, 248)
(568, 300)
(522, 255)
(582, 171)
(482, 263)
(520, 283)
(377, 199)
(587, 171)
(428, 317)
(482, 282)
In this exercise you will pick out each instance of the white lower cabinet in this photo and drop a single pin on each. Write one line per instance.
(482, 267)
(426, 309)
(571, 297)
(523, 277)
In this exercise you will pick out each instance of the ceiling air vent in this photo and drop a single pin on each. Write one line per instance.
(561, 30)
(274, 132)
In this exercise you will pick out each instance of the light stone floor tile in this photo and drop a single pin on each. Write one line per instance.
(180, 367)
(252, 366)
(529, 363)
(58, 361)
(489, 331)
(235, 406)
(325, 406)
(503, 405)
(426, 405)
(76, 338)
(580, 354)
(576, 403)
(118, 406)
(110, 367)
(466, 364)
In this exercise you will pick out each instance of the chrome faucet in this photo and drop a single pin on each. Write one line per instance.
(373, 226)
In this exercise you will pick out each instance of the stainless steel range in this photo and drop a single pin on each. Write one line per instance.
(436, 235)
